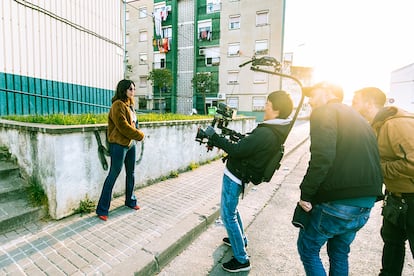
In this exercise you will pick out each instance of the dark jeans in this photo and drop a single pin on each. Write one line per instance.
(396, 233)
(119, 155)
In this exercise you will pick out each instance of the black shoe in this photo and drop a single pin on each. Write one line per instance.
(226, 241)
(234, 266)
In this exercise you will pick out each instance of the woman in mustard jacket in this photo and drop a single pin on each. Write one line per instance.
(122, 130)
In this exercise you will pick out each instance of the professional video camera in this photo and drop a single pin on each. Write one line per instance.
(224, 114)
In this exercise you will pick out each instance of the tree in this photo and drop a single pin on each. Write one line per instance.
(202, 82)
(161, 79)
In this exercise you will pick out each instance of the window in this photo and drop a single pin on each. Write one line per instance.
(204, 30)
(213, 6)
(143, 81)
(233, 102)
(234, 22)
(260, 77)
(234, 49)
(232, 77)
(143, 36)
(167, 32)
(261, 47)
(212, 61)
(258, 103)
(142, 102)
(159, 60)
(143, 58)
(262, 18)
(127, 38)
(142, 12)
(212, 55)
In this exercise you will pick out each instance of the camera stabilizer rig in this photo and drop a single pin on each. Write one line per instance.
(224, 115)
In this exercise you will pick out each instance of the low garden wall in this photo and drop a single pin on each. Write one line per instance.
(65, 158)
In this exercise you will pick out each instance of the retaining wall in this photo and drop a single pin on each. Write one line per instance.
(65, 158)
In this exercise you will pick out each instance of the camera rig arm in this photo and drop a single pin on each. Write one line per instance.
(257, 65)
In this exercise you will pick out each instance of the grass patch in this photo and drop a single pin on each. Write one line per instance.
(193, 166)
(85, 206)
(87, 119)
(35, 193)
(173, 174)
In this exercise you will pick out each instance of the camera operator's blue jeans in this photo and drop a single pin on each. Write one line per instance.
(337, 225)
(120, 155)
(230, 194)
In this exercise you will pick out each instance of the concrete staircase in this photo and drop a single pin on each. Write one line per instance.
(15, 210)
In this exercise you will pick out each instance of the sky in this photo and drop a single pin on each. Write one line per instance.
(354, 43)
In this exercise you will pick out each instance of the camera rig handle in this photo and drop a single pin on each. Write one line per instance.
(257, 63)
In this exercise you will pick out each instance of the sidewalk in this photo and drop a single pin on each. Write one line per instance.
(173, 213)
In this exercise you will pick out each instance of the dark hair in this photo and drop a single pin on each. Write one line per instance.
(282, 102)
(121, 90)
(373, 95)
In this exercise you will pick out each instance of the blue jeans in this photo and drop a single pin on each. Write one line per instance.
(336, 225)
(231, 218)
(120, 155)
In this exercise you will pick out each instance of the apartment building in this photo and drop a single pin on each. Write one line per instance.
(249, 28)
(203, 36)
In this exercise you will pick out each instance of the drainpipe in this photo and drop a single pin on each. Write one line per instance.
(283, 39)
(174, 46)
(125, 32)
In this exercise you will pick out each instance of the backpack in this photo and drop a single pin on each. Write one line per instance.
(267, 174)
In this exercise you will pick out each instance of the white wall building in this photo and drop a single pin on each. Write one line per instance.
(402, 88)
(53, 50)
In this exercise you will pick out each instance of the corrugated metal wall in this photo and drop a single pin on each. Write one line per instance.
(52, 50)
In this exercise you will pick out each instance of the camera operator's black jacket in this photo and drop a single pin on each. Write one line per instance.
(255, 150)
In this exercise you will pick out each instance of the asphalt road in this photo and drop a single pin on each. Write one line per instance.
(266, 211)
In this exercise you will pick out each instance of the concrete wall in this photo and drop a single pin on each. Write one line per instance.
(65, 158)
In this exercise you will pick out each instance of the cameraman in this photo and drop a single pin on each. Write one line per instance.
(247, 160)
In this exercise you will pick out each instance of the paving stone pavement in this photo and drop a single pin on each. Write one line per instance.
(173, 213)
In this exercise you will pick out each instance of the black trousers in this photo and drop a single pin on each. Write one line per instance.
(397, 228)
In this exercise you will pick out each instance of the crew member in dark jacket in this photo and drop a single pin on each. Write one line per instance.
(342, 182)
(246, 161)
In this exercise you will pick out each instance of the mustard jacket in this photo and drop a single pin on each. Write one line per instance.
(121, 130)
(395, 134)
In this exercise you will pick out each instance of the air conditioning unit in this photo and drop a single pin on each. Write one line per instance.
(221, 96)
(148, 97)
(201, 52)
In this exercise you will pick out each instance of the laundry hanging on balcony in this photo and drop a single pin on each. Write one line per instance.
(163, 45)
